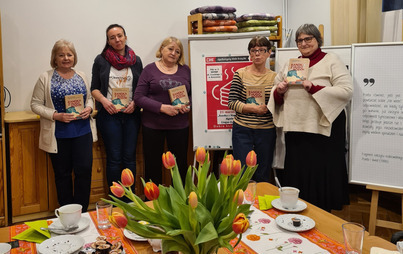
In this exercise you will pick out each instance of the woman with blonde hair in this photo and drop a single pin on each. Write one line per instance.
(160, 119)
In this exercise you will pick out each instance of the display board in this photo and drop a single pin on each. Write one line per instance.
(377, 115)
(213, 60)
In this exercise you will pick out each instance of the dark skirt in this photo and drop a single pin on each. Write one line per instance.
(316, 165)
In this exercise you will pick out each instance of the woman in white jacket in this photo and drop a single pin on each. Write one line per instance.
(67, 137)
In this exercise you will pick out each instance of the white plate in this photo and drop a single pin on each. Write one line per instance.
(56, 226)
(4, 248)
(298, 208)
(284, 221)
(133, 236)
(63, 244)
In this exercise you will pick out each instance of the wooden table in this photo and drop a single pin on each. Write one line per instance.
(327, 223)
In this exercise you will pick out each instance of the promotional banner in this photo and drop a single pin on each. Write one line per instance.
(219, 74)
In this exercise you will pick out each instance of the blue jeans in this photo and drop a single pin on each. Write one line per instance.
(262, 141)
(119, 133)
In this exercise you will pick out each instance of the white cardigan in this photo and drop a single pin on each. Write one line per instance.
(42, 104)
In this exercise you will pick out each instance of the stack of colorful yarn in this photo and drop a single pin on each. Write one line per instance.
(257, 22)
(216, 19)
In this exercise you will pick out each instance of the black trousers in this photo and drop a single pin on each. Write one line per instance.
(153, 147)
(74, 155)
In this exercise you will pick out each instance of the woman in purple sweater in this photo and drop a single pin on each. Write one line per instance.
(160, 119)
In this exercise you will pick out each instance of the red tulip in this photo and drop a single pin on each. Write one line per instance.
(236, 167)
(226, 166)
(168, 160)
(151, 191)
(238, 197)
(117, 190)
(200, 155)
(251, 159)
(127, 178)
(193, 200)
(240, 224)
(118, 220)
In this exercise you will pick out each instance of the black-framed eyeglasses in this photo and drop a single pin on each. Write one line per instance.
(261, 51)
(306, 39)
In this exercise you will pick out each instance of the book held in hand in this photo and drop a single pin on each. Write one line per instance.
(120, 98)
(255, 95)
(74, 104)
(179, 96)
(297, 70)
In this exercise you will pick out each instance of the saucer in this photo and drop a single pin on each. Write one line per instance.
(298, 208)
(63, 244)
(133, 236)
(56, 226)
(284, 221)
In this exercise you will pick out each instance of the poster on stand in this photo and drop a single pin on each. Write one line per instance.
(219, 74)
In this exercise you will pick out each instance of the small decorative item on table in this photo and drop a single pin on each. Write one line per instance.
(192, 218)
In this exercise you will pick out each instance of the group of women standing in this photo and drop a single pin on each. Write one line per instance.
(68, 138)
(312, 115)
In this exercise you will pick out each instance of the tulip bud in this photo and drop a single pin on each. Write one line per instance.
(240, 224)
(251, 159)
(168, 160)
(118, 220)
(236, 167)
(127, 178)
(238, 197)
(200, 155)
(117, 190)
(226, 166)
(193, 200)
(230, 156)
(151, 191)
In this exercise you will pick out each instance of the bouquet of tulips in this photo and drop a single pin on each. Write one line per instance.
(196, 218)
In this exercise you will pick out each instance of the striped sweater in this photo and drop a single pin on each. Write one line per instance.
(237, 98)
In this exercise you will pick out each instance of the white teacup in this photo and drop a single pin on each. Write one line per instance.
(69, 215)
(288, 197)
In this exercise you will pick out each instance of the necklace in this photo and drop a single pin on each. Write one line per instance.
(166, 68)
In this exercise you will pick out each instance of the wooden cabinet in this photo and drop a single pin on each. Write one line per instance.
(33, 191)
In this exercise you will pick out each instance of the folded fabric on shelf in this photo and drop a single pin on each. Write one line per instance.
(213, 8)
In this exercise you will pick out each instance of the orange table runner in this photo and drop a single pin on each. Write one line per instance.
(24, 247)
(312, 235)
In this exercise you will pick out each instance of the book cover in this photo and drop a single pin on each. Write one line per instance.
(297, 70)
(74, 104)
(120, 98)
(255, 95)
(179, 96)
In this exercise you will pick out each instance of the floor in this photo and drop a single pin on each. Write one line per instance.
(389, 208)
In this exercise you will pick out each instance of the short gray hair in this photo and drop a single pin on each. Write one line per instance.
(59, 45)
(309, 29)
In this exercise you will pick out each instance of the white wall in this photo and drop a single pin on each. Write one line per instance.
(30, 28)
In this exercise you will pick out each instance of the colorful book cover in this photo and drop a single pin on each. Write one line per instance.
(297, 70)
(179, 96)
(120, 98)
(255, 95)
(74, 104)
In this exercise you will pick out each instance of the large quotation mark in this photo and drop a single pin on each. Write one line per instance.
(371, 80)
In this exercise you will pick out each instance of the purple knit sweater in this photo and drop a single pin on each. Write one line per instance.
(152, 92)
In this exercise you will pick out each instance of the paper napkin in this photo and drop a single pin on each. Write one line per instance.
(265, 201)
(34, 233)
(377, 250)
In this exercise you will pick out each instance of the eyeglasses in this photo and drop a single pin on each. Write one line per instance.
(306, 39)
(261, 51)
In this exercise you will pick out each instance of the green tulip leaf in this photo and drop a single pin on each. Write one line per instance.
(206, 234)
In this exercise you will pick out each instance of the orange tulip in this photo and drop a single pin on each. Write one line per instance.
(200, 155)
(226, 166)
(240, 224)
(238, 197)
(168, 160)
(151, 191)
(251, 159)
(127, 178)
(118, 220)
(117, 190)
(193, 200)
(236, 167)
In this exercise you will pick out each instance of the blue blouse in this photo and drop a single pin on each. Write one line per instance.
(59, 88)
